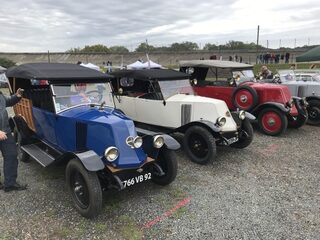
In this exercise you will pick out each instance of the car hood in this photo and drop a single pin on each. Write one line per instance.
(270, 92)
(107, 128)
(207, 109)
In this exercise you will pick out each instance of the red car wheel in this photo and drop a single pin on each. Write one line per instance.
(245, 98)
(272, 121)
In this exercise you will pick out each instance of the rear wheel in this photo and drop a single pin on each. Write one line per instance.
(85, 189)
(313, 112)
(245, 135)
(199, 144)
(168, 162)
(272, 121)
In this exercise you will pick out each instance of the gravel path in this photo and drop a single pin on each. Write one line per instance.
(268, 191)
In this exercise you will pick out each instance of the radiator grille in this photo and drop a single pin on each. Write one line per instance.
(185, 113)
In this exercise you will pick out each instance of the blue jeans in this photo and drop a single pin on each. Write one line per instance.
(10, 162)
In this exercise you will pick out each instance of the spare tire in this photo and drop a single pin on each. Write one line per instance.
(245, 98)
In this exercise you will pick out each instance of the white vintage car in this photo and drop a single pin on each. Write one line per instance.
(163, 99)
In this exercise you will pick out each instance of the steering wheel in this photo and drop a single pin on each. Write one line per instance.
(94, 95)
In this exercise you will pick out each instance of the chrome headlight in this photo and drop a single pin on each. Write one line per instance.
(111, 154)
(158, 141)
(242, 115)
(221, 121)
(137, 142)
(290, 103)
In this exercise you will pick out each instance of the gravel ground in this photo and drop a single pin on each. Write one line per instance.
(269, 190)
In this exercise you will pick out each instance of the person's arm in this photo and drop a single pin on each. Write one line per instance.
(14, 99)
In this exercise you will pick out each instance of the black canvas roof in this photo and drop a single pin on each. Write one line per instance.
(55, 72)
(152, 74)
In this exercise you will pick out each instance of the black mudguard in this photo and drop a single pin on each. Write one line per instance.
(279, 106)
(90, 160)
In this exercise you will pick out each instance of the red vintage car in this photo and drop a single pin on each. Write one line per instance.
(235, 83)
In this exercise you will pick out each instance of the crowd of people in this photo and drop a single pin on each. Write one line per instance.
(267, 58)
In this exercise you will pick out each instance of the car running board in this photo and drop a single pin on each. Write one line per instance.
(38, 154)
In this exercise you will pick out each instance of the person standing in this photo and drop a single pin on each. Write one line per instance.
(8, 146)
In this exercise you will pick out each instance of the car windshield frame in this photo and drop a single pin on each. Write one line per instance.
(170, 88)
(67, 96)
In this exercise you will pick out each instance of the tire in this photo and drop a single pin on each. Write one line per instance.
(167, 160)
(199, 145)
(313, 112)
(245, 98)
(272, 121)
(85, 189)
(245, 136)
(298, 122)
(21, 155)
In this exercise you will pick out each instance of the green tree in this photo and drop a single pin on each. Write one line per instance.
(5, 62)
(74, 50)
(98, 48)
(184, 46)
(118, 49)
(209, 47)
(144, 47)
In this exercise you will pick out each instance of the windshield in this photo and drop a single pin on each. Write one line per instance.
(287, 75)
(69, 95)
(173, 87)
(243, 75)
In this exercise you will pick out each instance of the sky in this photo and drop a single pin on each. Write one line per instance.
(57, 26)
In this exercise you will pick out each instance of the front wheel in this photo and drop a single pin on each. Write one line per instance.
(168, 162)
(313, 112)
(85, 189)
(245, 135)
(199, 144)
(272, 121)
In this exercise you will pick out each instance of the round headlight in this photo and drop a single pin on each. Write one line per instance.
(290, 103)
(137, 142)
(221, 121)
(242, 115)
(158, 141)
(111, 154)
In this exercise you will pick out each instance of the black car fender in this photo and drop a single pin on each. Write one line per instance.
(300, 105)
(212, 127)
(312, 98)
(90, 160)
(279, 106)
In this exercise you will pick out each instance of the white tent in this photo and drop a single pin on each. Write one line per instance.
(135, 65)
(90, 65)
(151, 64)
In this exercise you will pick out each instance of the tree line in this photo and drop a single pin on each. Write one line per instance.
(174, 47)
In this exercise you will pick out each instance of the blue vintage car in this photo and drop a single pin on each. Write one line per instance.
(62, 117)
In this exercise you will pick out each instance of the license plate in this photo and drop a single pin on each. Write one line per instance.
(137, 179)
(232, 140)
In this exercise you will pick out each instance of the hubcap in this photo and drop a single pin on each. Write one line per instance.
(271, 122)
(243, 98)
(80, 190)
(198, 145)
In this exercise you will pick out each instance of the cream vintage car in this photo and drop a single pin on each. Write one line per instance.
(163, 99)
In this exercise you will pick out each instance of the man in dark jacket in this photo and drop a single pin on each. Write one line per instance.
(7, 144)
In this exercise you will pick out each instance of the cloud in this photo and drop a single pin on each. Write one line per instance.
(41, 25)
